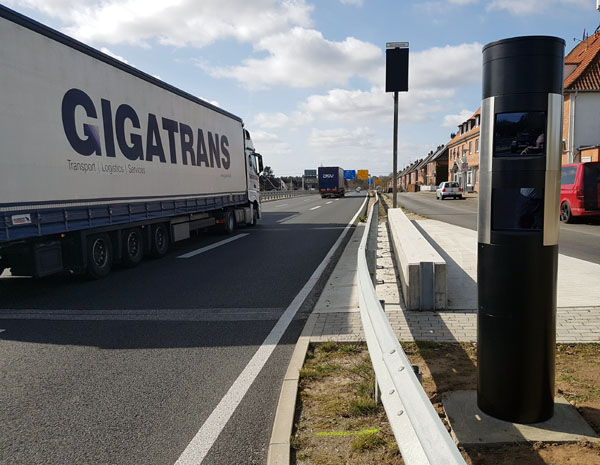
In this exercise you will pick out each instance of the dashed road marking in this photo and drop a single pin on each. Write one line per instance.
(212, 246)
(288, 218)
(314, 208)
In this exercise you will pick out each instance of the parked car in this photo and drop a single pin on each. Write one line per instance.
(448, 189)
(579, 191)
(358, 189)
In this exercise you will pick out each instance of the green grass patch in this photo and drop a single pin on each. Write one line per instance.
(329, 347)
(363, 406)
(366, 388)
(351, 348)
(367, 442)
(362, 369)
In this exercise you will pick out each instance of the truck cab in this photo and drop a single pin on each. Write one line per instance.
(254, 167)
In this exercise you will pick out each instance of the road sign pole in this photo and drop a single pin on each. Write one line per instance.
(395, 174)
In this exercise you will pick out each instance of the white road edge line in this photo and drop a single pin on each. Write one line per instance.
(212, 246)
(288, 218)
(314, 208)
(204, 439)
(2, 330)
(281, 205)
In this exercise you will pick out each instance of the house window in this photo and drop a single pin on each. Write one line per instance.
(470, 177)
(470, 148)
(476, 145)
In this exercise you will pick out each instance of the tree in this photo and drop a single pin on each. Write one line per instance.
(267, 179)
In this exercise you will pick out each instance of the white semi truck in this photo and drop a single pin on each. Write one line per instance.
(101, 163)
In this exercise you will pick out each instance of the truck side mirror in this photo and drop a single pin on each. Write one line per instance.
(260, 162)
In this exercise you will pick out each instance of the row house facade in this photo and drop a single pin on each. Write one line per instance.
(463, 154)
(581, 121)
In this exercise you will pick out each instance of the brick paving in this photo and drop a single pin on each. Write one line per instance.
(578, 313)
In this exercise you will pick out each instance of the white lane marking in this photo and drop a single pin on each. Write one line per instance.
(2, 330)
(204, 439)
(212, 246)
(314, 208)
(327, 203)
(282, 205)
(288, 218)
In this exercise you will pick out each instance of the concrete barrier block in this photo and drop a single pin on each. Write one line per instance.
(413, 252)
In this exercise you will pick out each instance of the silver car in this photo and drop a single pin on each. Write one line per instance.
(448, 189)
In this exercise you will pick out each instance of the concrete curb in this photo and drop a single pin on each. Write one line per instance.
(279, 445)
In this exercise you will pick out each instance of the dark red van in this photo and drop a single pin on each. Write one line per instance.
(580, 191)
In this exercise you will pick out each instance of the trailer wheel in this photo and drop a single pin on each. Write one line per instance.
(99, 256)
(133, 247)
(228, 222)
(160, 241)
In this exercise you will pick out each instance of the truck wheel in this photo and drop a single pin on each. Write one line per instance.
(565, 213)
(254, 216)
(160, 241)
(133, 247)
(228, 222)
(99, 256)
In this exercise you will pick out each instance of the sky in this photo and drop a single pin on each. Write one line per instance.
(307, 76)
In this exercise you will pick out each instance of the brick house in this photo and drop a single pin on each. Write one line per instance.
(581, 111)
(437, 166)
(463, 153)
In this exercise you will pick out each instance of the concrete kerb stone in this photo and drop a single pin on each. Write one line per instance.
(279, 445)
(412, 250)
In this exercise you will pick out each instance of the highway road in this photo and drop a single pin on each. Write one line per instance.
(580, 240)
(176, 361)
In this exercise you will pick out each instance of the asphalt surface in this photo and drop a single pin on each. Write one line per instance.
(127, 369)
(580, 240)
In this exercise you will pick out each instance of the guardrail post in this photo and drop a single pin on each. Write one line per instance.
(372, 242)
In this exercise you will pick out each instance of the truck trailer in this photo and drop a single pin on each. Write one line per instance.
(331, 181)
(101, 163)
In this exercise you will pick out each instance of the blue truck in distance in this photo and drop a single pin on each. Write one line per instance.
(331, 181)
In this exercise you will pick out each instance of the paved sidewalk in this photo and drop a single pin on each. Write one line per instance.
(578, 313)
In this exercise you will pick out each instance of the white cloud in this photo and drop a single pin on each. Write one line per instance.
(304, 58)
(270, 144)
(177, 23)
(341, 137)
(463, 2)
(451, 121)
(280, 120)
(445, 67)
(375, 105)
(519, 7)
(111, 54)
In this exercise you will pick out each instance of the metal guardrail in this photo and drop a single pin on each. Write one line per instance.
(421, 436)
(276, 195)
